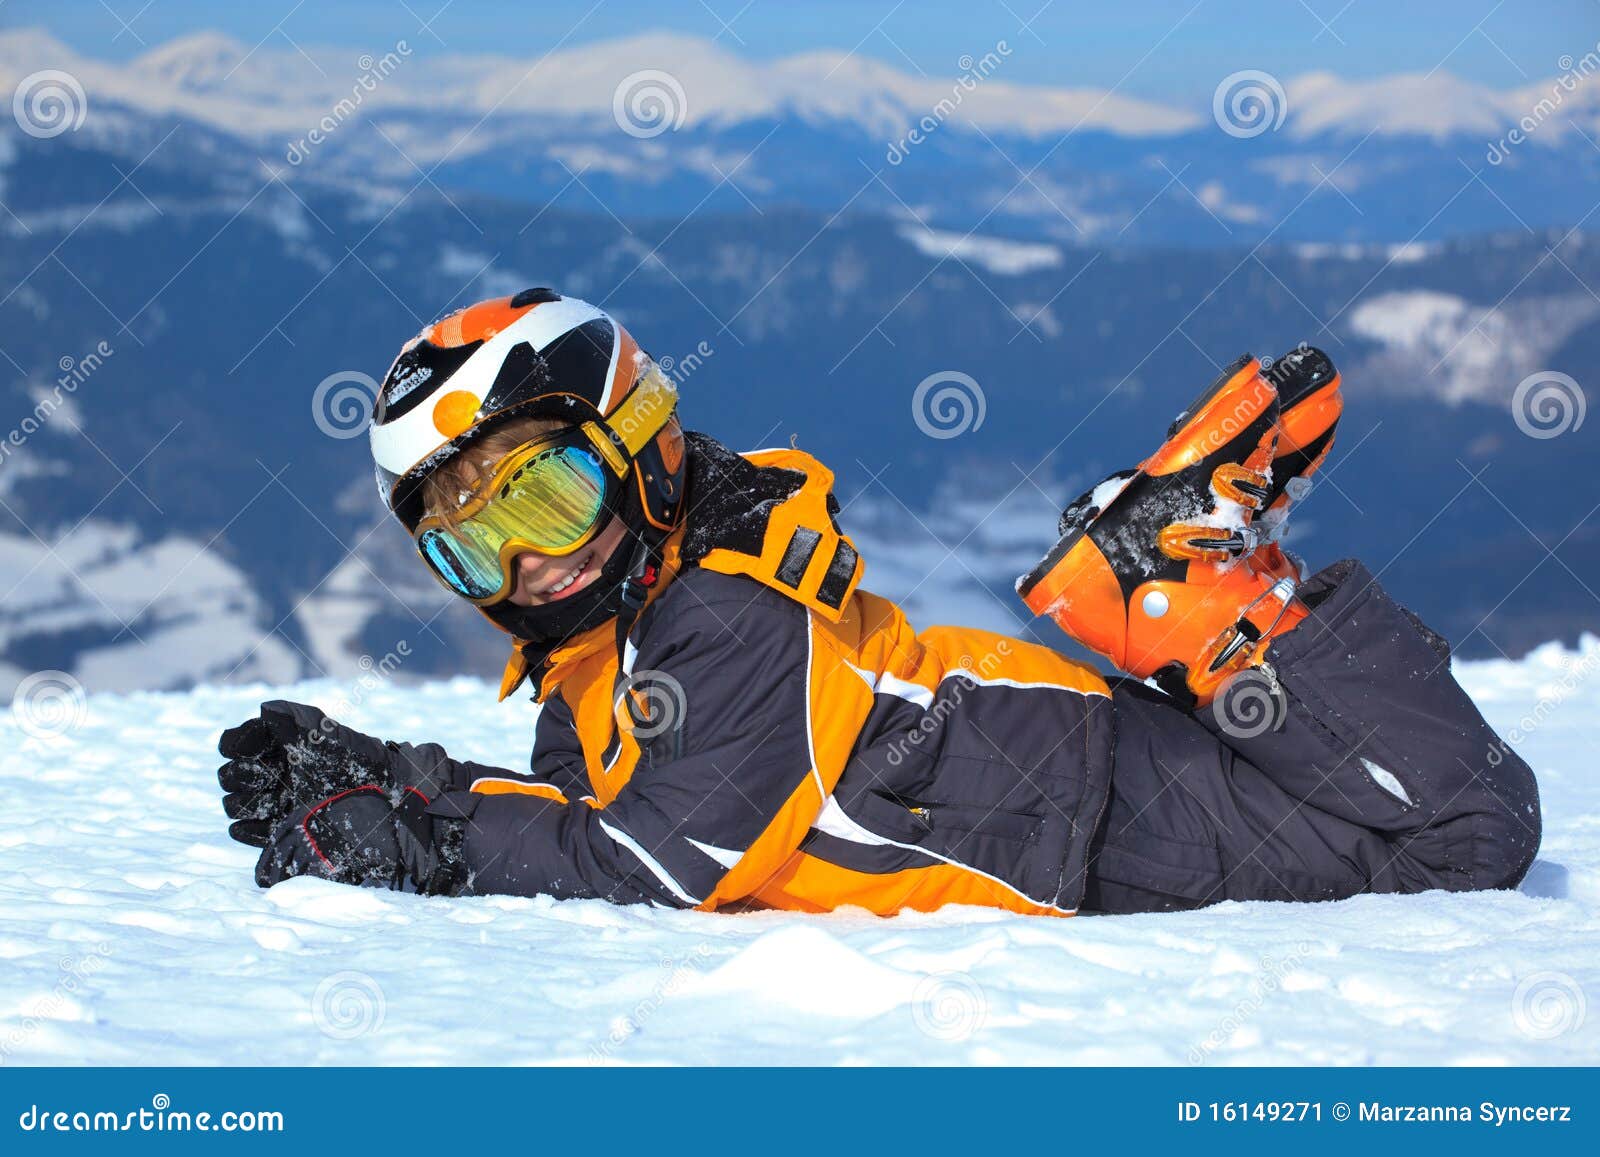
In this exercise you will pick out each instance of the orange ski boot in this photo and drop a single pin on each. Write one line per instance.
(1150, 570)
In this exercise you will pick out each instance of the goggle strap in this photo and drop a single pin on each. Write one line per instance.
(633, 425)
(610, 445)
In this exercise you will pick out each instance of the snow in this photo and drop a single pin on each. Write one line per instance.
(995, 254)
(131, 932)
(269, 91)
(1213, 197)
(171, 611)
(277, 93)
(1444, 346)
(480, 272)
(1436, 105)
(1399, 253)
(1410, 317)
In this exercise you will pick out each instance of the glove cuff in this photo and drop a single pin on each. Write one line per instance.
(432, 838)
(450, 814)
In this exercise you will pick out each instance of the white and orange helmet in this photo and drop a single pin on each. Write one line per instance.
(536, 355)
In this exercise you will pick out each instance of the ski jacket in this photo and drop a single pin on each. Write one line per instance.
(785, 739)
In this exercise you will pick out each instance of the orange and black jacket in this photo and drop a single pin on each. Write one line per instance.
(792, 742)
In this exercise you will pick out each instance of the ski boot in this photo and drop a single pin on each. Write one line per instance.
(1151, 568)
(1310, 405)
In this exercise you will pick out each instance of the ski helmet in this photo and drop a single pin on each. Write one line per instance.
(534, 355)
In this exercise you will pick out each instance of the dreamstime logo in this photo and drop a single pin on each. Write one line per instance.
(973, 73)
(1575, 674)
(373, 72)
(1248, 407)
(1268, 981)
(48, 704)
(343, 402)
(347, 1005)
(74, 373)
(1548, 404)
(49, 103)
(1547, 1005)
(1249, 103)
(72, 979)
(1250, 704)
(682, 369)
(949, 1006)
(1573, 75)
(651, 703)
(649, 102)
(675, 975)
(374, 674)
(948, 404)
(1278, 370)
(953, 688)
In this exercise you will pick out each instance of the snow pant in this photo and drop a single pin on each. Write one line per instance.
(1354, 763)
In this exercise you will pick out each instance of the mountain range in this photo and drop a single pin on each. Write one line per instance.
(192, 510)
(660, 124)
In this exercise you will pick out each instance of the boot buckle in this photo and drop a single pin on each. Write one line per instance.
(1239, 641)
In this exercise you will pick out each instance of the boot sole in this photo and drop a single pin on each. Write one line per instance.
(1312, 406)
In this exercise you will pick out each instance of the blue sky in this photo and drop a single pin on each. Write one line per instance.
(1172, 49)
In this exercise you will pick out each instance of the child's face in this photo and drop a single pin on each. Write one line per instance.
(539, 576)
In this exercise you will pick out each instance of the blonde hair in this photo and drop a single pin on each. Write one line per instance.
(443, 489)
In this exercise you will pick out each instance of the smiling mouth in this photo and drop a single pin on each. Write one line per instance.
(568, 582)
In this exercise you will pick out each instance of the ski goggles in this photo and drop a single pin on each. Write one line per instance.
(549, 496)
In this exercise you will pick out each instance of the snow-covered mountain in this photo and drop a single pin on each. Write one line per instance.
(113, 906)
(666, 124)
(1089, 300)
(271, 89)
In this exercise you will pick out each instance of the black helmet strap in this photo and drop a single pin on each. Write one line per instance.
(644, 571)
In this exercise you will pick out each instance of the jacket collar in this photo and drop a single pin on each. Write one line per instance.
(769, 515)
(549, 662)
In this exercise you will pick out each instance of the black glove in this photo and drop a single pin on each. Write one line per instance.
(287, 758)
(372, 837)
(322, 799)
(292, 756)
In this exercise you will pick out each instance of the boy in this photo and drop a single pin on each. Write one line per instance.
(729, 721)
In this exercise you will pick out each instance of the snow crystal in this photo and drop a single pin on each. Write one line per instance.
(1101, 496)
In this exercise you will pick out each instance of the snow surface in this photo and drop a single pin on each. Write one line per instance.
(131, 932)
